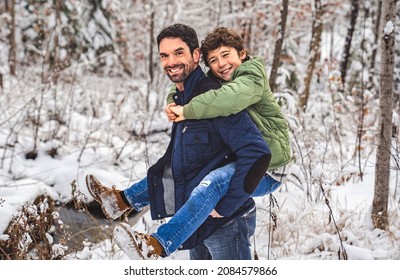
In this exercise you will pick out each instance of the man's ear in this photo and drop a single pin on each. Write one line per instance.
(196, 55)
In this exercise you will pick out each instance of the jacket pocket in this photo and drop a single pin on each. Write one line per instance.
(197, 142)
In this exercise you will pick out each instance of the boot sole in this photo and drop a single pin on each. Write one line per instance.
(125, 239)
(88, 186)
(97, 198)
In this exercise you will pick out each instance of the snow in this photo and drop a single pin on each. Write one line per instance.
(95, 126)
(305, 230)
(389, 27)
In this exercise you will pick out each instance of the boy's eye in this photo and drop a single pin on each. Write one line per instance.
(212, 61)
(226, 55)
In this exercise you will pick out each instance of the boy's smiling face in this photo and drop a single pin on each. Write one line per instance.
(224, 60)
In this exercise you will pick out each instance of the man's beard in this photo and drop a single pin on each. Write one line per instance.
(179, 78)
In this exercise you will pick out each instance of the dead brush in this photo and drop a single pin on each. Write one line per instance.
(36, 232)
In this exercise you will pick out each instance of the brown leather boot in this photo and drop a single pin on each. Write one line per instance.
(110, 199)
(136, 245)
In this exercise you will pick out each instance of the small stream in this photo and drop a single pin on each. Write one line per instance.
(90, 225)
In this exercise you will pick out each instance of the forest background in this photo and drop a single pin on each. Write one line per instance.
(81, 90)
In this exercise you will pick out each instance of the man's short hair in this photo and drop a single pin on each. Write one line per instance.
(178, 30)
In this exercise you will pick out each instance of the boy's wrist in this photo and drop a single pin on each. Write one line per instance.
(188, 112)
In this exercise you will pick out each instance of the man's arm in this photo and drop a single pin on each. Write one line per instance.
(252, 159)
(170, 103)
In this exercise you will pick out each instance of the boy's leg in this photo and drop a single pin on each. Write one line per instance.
(137, 195)
(266, 186)
(115, 202)
(195, 211)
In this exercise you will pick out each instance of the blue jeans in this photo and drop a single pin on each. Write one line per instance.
(229, 242)
(195, 211)
(137, 194)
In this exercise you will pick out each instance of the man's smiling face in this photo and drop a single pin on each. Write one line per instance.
(176, 59)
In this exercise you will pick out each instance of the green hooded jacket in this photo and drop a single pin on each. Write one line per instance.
(248, 89)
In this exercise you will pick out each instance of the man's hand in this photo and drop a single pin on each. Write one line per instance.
(215, 214)
(170, 114)
(178, 111)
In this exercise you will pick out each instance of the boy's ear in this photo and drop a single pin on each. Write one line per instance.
(242, 54)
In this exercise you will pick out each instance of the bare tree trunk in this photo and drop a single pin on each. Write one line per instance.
(347, 45)
(3, 9)
(382, 167)
(278, 45)
(150, 55)
(396, 94)
(12, 58)
(51, 63)
(376, 33)
(152, 43)
(314, 53)
(246, 24)
(57, 66)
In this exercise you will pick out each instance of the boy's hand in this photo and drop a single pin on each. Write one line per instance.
(170, 115)
(178, 111)
(215, 214)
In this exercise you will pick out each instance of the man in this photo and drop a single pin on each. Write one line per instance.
(197, 147)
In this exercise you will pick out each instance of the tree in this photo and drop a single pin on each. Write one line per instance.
(397, 71)
(376, 39)
(382, 168)
(278, 45)
(317, 27)
(12, 60)
(349, 37)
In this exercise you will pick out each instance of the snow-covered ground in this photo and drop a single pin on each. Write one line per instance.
(99, 133)
(97, 127)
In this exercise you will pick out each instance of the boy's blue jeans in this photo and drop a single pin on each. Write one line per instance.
(203, 200)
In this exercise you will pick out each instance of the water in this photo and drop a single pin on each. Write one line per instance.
(89, 225)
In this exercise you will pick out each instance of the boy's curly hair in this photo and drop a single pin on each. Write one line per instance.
(220, 36)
